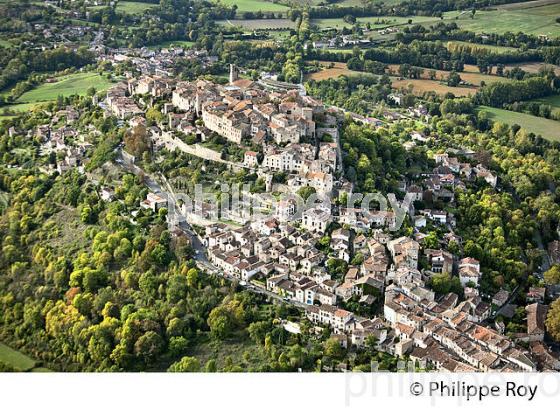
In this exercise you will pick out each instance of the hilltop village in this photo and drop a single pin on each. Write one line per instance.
(279, 186)
(351, 269)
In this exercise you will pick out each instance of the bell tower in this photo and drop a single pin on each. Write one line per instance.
(233, 73)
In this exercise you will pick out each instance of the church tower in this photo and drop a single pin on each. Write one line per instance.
(233, 73)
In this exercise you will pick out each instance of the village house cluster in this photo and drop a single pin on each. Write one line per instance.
(62, 141)
(329, 254)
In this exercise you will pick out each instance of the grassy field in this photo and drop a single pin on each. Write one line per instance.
(472, 77)
(360, 2)
(549, 129)
(20, 107)
(132, 7)
(489, 47)
(15, 359)
(255, 5)
(79, 22)
(279, 34)
(100, 7)
(173, 43)
(527, 18)
(341, 50)
(341, 3)
(552, 100)
(422, 86)
(67, 85)
(526, 4)
(16, 108)
(241, 350)
(375, 22)
(63, 230)
(261, 24)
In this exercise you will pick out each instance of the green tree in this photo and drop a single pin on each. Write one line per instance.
(552, 321)
(87, 214)
(431, 241)
(333, 349)
(193, 277)
(453, 79)
(178, 345)
(186, 364)
(552, 276)
(221, 322)
(443, 283)
(305, 192)
(154, 116)
(177, 288)
(258, 331)
(149, 346)
(211, 366)
(296, 354)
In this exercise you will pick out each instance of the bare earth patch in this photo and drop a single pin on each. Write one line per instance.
(331, 72)
(534, 67)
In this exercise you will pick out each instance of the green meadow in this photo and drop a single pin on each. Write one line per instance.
(552, 100)
(133, 7)
(68, 85)
(65, 86)
(255, 5)
(529, 20)
(173, 43)
(15, 359)
(376, 22)
(549, 129)
(489, 47)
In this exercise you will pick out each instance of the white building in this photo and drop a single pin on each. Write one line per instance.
(316, 219)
